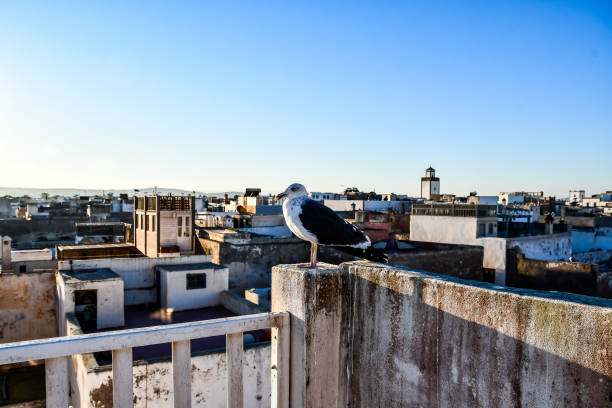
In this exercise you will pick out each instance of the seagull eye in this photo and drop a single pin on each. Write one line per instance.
(294, 189)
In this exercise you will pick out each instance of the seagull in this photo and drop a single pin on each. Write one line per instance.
(320, 225)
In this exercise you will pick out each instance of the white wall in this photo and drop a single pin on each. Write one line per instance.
(510, 198)
(556, 247)
(109, 299)
(600, 237)
(175, 295)
(494, 257)
(344, 205)
(138, 274)
(153, 381)
(447, 229)
(429, 187)
(372, 205)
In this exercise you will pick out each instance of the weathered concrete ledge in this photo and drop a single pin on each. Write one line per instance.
(312, 296)
(367, 335)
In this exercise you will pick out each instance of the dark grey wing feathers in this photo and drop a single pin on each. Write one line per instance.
(328, 227)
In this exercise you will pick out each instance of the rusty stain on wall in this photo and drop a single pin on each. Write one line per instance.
(27, 306)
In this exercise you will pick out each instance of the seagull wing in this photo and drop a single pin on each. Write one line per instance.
(328, 227)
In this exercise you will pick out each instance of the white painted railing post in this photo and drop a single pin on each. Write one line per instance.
(56, 381)
(123, 389)
(280, 363)
(181, 373)
(234, 353)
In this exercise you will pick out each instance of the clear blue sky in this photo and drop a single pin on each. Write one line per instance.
(218, 96)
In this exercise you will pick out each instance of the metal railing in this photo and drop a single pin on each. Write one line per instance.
(57, 350)
(455, 210)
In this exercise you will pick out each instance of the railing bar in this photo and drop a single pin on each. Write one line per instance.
(181, 373)
(280, 364)
(56, 381)
(234, 356)
(123, 388)
(89, 343)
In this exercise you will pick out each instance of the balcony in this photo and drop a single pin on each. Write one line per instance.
(57, 352)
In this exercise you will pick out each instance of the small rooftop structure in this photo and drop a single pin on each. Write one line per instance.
(95, 296)
(163, 225)
(94, 251)
(191, 286)
(32, 255)
(252, 192)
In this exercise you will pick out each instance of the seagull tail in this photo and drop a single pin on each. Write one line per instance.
(370, 253)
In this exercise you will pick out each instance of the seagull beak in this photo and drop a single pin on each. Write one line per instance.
(280, 195)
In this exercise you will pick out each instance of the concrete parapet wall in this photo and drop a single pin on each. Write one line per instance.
(592, 257)
(572, 277)
(464, 263)
(27, 306)
(239, 305)
(399, 337)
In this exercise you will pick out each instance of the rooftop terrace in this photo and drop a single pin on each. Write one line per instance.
(455, 210)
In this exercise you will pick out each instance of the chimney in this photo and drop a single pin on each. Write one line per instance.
(6, 253)
(549, 229)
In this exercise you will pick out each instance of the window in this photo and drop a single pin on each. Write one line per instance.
(153, 223)
(22, 268)
(142, 221)
(146, 222)
(136, 221)
(179, 222)
(491, 229)
(186, 226)
(481, 230)
(196, 281)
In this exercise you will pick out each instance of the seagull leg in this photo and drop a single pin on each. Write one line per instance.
(313, 255)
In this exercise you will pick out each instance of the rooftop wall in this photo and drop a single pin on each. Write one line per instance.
(375, 335)
(138, 274)
(27, 306)
(464, 263)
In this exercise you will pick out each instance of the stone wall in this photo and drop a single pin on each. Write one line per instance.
(250, 263)
(23, 231)
(572, 277)
(27, 306)
(370, 335)
(465, 263)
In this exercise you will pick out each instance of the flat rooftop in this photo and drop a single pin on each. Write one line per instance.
(93, 251)
(32, 255)
(94, 246)
(143, 316)
(89, 275)
(190, 267)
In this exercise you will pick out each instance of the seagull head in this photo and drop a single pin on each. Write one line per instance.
(293, 191)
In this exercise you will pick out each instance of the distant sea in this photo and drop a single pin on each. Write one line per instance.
(69, 192)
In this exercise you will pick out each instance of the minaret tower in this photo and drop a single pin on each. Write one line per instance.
(430, 184)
